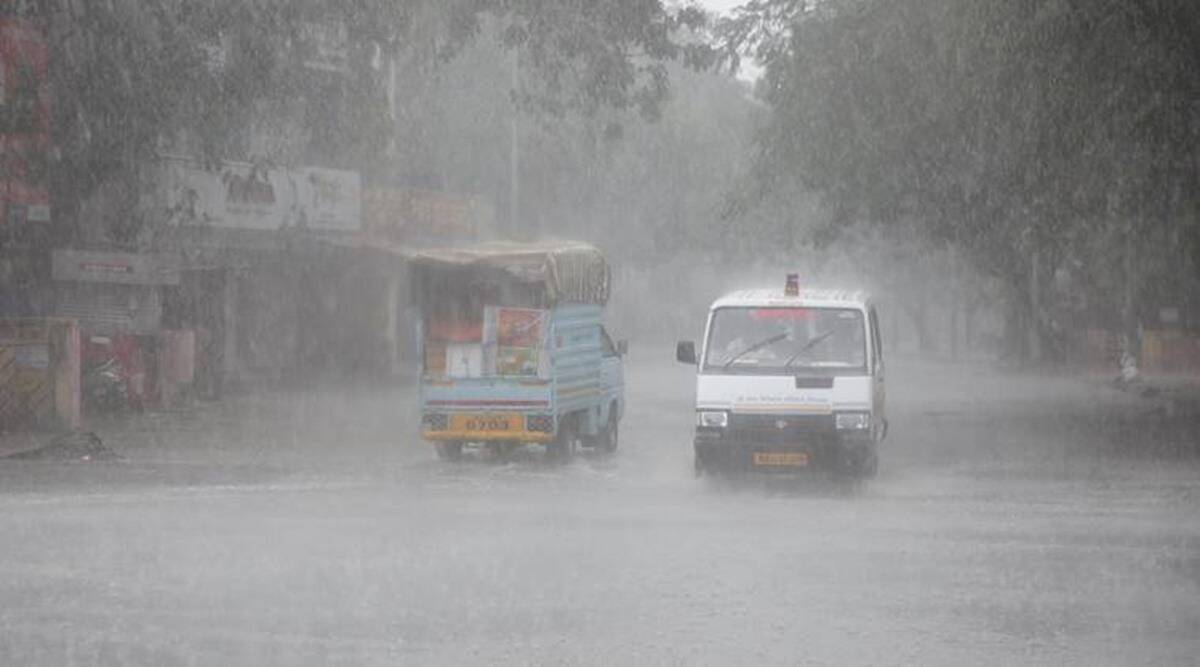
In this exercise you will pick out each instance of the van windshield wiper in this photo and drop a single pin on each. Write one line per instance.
(757, 346)
(806, 347)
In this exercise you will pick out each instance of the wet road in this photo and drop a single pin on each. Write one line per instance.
(1014, 521)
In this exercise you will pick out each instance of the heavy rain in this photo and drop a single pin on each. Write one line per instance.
(599, 332)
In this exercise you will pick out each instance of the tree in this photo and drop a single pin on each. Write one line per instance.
(211, 79)
(1018, 131)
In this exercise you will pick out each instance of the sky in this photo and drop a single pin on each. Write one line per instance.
(720, 5)
(749, 71)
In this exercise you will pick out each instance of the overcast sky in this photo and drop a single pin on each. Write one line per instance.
(720, 5)
(749, 70)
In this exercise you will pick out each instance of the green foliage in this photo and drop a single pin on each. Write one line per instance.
(288, 81)
(592, 55)
(638, 187)
(1019, 131)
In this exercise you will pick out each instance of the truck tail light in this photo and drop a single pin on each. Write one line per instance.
(539, 423)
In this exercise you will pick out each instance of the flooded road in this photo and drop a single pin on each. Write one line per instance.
(1013, 521)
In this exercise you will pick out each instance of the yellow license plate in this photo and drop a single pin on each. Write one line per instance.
(487, 423)
(792, 459)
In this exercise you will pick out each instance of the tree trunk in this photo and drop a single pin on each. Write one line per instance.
(954, 317)
(917, 312)
(894, 328)
(1131, 337)
(969, 327)
(1033, 321)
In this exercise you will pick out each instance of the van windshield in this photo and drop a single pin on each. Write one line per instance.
(785, 340)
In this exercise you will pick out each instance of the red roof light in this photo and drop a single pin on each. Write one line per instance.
(793, 285)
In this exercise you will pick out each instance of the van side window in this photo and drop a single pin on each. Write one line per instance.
(606, 345)
(876, 342)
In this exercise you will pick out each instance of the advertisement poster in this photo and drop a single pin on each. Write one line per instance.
(243, 196)
(24, 122)
(26, 389)
(517, 336)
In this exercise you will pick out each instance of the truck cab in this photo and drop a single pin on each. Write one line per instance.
(789, 379)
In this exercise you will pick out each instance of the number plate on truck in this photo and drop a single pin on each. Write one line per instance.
(787, 459)
(485, 423)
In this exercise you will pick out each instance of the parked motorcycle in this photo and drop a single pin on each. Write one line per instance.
(105, 389)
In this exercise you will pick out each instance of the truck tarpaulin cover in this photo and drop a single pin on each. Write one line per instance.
(570, 271)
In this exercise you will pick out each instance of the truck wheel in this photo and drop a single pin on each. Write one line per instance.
(861, 464)
(450, 450)
(610, 436)
(562, 448)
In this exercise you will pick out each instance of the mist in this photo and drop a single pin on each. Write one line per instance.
(614, 332)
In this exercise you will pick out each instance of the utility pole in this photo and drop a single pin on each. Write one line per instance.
(393, 115)
(514, 162)
(1120, 216)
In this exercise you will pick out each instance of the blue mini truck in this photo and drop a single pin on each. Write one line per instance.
(514, 348)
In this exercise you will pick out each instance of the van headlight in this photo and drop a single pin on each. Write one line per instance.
(712, 418)
(853, 421)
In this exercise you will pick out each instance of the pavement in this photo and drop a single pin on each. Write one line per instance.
(1016, 519)
(1181, 390)
(17, 444)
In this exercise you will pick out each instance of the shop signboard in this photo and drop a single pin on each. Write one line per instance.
(329, 199)
(87, 266)
(421, 217)
(235, 195)
(243, 196)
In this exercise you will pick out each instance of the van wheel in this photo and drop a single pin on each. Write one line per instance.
(871, 465)
(562, 448)
(449, 450)
(610, 436)
(703, 467)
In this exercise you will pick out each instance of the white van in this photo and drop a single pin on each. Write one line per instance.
(789, 379)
